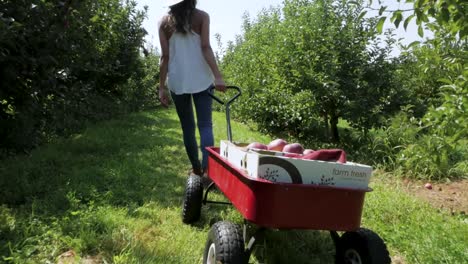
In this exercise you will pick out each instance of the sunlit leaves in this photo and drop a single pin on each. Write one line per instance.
(382, 9)
(420, 31)
(380, 24)
(397, 17)
(407, 21)
(362, 15)
(450, 14)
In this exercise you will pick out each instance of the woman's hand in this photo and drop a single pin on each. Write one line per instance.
(220, 85)
(163, 96)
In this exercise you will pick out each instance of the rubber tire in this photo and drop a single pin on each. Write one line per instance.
(370, 248)
(228, 243)
(193, 197)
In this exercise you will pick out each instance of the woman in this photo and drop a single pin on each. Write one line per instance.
(188, 70)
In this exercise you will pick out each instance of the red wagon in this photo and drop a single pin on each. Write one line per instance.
(264, 204)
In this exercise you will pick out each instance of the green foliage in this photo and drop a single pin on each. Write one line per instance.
(331, 59)
(441, 150)
(450, 14)
(432, 147)
(382, 146)
(301, 80)
(290, 115)
(434, 74)
(7, 223)
(139, 91)
(65, 62)
(433, 158)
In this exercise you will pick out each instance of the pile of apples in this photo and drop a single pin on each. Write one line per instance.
(281, 145)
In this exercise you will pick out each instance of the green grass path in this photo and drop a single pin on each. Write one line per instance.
(114, 192)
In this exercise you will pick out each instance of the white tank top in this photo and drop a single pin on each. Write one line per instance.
(188, 70)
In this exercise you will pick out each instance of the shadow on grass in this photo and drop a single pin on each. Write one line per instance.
(295, 246)
(122, 161)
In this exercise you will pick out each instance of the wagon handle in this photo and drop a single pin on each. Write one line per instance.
(227, 104)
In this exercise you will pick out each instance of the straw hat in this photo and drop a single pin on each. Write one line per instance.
(173, 2)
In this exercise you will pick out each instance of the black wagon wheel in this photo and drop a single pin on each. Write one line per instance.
(192, 204)
(224, 245)
(362, 247)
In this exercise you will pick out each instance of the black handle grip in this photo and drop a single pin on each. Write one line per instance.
(217, 99)
(227, 104)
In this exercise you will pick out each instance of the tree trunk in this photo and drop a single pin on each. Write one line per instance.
(334, 128)
(327, 125)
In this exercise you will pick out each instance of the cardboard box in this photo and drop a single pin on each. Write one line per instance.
(274, 166)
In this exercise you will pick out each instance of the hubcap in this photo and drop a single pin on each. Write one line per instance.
(211, 259)
(352, 257)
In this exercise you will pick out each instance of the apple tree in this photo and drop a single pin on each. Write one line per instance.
(311, 63)
(63, 62)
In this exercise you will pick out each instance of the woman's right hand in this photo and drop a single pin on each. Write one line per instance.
(220, 85)
(163, 97)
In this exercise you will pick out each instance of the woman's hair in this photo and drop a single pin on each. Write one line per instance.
(181, 16)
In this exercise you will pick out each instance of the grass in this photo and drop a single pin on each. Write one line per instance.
(414, 229)
(114, 193)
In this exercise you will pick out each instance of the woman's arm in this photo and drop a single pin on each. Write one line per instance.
(163, 65)
(208, 52)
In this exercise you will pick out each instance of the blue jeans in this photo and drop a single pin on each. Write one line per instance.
(203, 107)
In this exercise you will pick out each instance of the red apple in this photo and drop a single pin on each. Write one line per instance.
(293, 148)
(257, 145)
(277, 144)
(307, 151)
